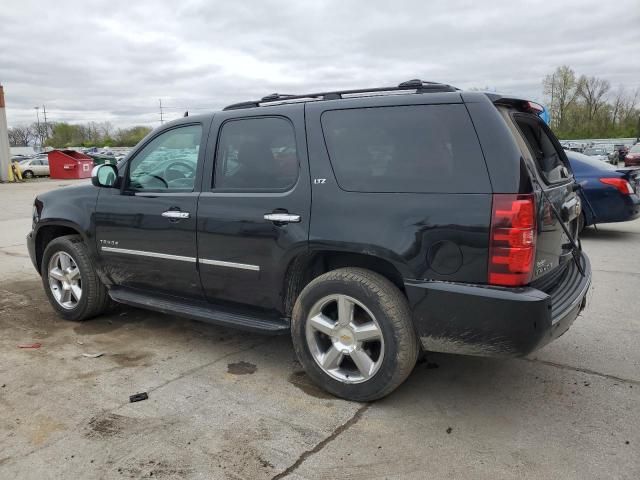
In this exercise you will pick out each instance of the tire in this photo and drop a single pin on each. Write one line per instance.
(27, 174)
(393, 356)
(93, 298)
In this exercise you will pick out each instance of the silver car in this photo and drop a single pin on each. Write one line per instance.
(597, 153)
(35, 167)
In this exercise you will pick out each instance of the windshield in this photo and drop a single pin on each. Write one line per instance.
(635, 149)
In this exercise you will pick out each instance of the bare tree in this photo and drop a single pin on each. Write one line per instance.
(562, 88)
(106, 129)
(593, 91)
(40, 132)
(20, 136)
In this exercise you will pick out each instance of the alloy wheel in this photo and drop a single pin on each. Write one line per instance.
(345, 339)
(65, 280)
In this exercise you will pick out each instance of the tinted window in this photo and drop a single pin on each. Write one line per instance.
(547, 157)
(168, 162)
(256, 153)
(423, 148)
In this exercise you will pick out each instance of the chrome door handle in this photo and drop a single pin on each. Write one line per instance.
(175, 214)
(282, 217)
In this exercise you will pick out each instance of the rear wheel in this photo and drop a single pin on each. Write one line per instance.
(70, 281)
(352, 332)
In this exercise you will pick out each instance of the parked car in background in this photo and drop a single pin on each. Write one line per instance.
(622, 150)
(35, 167)
(611, 192)
(632, 158)
(597, 153)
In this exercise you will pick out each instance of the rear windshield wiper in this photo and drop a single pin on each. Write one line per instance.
(575, 248)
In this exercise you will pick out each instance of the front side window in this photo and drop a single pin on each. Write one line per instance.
(256, 154)
(168, 162)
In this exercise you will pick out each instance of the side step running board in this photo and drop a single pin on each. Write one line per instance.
(199, 310)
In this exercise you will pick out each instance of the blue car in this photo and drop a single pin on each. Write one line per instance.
(612, 192)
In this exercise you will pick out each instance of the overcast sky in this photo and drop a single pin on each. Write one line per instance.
(112, 60)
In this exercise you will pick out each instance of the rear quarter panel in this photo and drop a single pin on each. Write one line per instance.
(442, 236)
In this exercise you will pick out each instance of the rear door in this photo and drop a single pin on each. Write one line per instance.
(548, 163)
(253, 213)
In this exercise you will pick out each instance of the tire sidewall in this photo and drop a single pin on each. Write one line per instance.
(307, 299)
(65, 245)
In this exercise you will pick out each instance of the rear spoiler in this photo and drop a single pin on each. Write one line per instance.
(629, 172)
(517, 103)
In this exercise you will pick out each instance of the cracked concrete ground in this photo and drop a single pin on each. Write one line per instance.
(226, 404)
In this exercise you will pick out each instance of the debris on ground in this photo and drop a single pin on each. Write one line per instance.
(241, 368)
(449, 430)
(30, 345)
(138, 397)
(92, 355)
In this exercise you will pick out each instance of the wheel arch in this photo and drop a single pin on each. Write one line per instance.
(51, 231)
(306, 266)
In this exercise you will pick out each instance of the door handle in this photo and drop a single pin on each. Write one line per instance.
(176, 214)
(282, 217)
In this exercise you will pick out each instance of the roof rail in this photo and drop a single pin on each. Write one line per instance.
(418, 85)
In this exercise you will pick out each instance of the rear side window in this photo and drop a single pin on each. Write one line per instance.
(256, 154)
(421, 148)
(543, 150)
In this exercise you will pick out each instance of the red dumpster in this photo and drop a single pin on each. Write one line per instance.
(69, 164)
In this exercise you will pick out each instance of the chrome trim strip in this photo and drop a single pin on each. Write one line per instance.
(143, 253)
(220, 263)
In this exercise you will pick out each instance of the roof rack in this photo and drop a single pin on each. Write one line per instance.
(418, 85)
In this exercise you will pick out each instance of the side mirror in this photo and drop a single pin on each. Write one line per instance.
(104, 175)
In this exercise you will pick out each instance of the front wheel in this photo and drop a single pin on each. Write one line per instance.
(27, 174)
(352, 332)
(70, 281)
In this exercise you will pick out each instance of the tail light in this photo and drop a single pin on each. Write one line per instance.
(512, 250)
(621, 184)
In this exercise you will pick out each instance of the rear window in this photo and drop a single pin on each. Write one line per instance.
(422, 149)
(547, 156)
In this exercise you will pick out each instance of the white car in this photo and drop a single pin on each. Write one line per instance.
(35, 167)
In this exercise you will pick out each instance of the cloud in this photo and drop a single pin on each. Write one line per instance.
(113, 60)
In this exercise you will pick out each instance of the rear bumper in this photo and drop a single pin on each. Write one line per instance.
(494, 321)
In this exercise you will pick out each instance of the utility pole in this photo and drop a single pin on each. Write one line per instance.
(46, 127)
(552, 106)
(38, 137)
(5, 153)
(161, 117)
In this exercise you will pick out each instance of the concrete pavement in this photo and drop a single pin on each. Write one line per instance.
(226, 404)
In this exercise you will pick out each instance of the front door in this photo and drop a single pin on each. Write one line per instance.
(253, 213)
(146, 231)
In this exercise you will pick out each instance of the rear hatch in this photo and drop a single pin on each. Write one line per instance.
(557, 202)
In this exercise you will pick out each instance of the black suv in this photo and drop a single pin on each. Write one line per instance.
(369, 224)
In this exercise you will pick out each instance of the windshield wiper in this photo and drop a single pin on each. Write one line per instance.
(575, 249)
